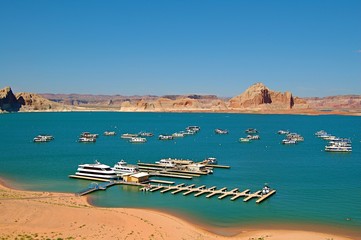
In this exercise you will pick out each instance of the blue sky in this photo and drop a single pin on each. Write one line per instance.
(311, 48)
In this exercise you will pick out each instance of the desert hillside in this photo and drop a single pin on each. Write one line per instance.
(25, 102)
(256, 99)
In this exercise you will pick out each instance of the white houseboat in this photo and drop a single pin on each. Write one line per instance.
(96, 170)
(122, 167)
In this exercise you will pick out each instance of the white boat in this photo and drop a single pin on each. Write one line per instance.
(251, 131)
(89, 135)
(46, 136)
(265, 190)
(335, 148)
(178, 135)
(122, 167)
(137, 140)
(146, 134)
(295, 137)
(43, 138)
(165, 137)
(129, 135)
(288, 141)
(324, 136)
(221, 131)
(330, 138)
(283, 132)
(198, 167)
(253, 137)
(189, 132)
(320, 133)
(166, 162)
(193, 128)
(110, 133)
(244, 140)
(96, 170)
(87, 140)
(39, 139)
(210, 160)
(178, 161)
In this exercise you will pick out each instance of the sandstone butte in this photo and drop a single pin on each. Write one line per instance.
(256, 99)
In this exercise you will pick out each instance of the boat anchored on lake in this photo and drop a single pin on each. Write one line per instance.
(109, 133)
(89, 135)
(43, 138)
(137, 140)
(244, 140)
(335, 144)
(146, 134)
(221, 131)
(165, 137)
(253, 137)
(87, 140)
(283, 132)
(338, 146)
(251, 131)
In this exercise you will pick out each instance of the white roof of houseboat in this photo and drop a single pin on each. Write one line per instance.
(141, 174)
(96, 165)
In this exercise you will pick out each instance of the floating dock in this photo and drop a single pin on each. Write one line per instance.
(187, 190)
(95, 187)
(212, 191)
(218, 166)
(89, 178)
(161, 181)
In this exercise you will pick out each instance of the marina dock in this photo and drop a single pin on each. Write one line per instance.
(218, 166)
(187, 190)
(89, 178)
(212, 191)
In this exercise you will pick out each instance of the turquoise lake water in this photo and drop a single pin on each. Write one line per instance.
(312, 186)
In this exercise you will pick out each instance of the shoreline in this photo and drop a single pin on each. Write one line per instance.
(53, 214)
(306, 112)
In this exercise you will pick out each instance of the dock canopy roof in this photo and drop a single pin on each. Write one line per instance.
(141, 174)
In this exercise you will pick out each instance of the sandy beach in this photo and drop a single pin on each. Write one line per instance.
(48, 215)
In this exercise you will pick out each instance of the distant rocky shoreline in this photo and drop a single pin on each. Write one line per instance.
(256, 99)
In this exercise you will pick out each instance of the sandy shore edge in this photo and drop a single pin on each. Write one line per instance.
(50, 215)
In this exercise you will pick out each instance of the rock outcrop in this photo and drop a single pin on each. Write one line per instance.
(34, 102)
(258, 96)
(175, 103)
(25, 102)
(8, 101)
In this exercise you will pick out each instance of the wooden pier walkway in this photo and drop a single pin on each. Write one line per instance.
(218, 166)
(234, 194)
(212, 191)
(95, 187)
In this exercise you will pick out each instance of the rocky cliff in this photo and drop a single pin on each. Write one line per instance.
(34, 102)
(27, 102)
(175, 103)
(258, 96)
(8, 101)
(256, 99)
